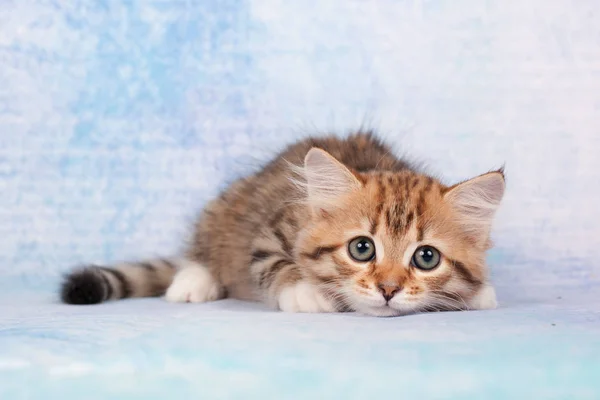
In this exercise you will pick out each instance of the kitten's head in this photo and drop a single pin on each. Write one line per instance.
(389, 243)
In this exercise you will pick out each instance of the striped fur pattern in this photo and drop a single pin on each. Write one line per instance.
(94, 284)
(282, 236)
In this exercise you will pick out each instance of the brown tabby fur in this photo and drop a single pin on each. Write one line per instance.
(262, 235)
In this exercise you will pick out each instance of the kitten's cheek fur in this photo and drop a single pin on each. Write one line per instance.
(305, 298)
(193, 285)
(485, 299)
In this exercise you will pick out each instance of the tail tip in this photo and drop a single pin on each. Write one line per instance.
(84, 286)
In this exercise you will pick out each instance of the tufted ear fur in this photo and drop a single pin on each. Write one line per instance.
(327, 179)
(475, 202)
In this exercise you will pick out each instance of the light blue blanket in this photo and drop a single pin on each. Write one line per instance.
(120, 119)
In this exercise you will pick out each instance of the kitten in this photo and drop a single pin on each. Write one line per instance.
(329, 225)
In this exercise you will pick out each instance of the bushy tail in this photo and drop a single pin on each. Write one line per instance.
(95, 284)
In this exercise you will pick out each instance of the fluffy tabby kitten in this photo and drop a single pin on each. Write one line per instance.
(329, 225)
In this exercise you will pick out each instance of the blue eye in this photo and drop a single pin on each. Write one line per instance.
(426, 258)
(361, 249)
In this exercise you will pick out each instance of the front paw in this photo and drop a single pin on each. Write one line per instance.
(484, 299)
(304, 298)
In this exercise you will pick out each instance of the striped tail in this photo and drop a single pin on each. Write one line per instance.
(95, 284)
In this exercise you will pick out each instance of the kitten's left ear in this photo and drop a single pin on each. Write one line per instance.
(476, 201)
(327, 179)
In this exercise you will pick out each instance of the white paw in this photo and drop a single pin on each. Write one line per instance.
(193, 285)
(485, 299)
(303, 297)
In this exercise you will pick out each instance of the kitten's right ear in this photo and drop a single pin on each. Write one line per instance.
(476, 201)
(327, 179)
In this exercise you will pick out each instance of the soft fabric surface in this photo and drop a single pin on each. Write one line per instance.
(543, 348)
(120, 119)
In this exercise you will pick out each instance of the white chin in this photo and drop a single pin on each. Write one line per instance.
(383, 311)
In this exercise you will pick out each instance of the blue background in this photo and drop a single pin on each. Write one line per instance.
(120, 119)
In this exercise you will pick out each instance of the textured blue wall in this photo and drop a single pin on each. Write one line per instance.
(119, 119)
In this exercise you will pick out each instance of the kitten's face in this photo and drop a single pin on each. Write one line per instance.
(401, 242)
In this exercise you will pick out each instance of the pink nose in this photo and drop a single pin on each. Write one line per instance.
(388, 291)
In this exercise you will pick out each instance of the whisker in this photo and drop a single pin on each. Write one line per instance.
(445, 293)
(444, 300)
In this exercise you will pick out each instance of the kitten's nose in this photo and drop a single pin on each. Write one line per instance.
(388, 291)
